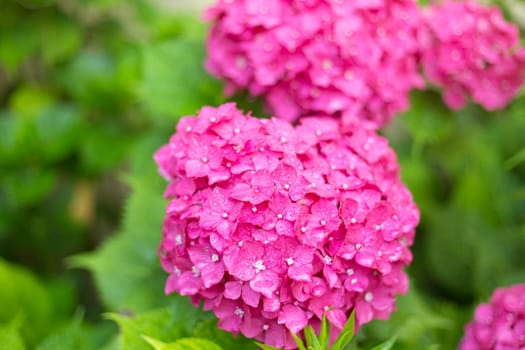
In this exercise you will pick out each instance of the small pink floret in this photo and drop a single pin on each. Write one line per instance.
(499, 324)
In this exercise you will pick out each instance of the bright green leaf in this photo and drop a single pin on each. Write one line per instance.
(208, 329)
(10, 337)
(183, 344)
(21, 293)
(299, 342)
(324, 333)
(158, 324)
(346, 334)
(266, 347)
(28, 101)
(311, 339)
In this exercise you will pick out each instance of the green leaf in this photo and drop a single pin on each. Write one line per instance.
(104, 147)
(94, 80)
(75, 335)
(428, 125)
(28, 101)
(515, 160)
(129, 261)
(387, 345)
(33, 4)
(70, 35)
(10, 337)
(208, 329)
(158, 324)
(324, 333)
(22, 294)
(346, 334)
(311, 339)
(183, 344)
(299, 342)
(18, 40)
(266, 347)
(59, 129)
(175, 82)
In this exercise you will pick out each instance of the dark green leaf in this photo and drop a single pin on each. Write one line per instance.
(183, 344)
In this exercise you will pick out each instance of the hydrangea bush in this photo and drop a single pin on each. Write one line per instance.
(472, 51)
(499, 324)
(354, 59)
(272, 226)
(294, 231)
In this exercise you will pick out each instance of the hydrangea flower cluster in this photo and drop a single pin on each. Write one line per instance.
(352, 59)
(472, 51)
(272, 226)
(500, 324)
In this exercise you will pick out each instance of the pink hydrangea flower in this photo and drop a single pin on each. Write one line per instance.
(499, 324)
(356, 59)
(472, 51)
(271, 226)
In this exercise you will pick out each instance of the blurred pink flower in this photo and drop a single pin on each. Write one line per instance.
(305, 221)
(471, 51)
(499, 324)
(353, 59)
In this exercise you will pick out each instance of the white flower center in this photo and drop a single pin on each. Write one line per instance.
(196, 271)
(259, 266)
(238, 311)
(289, 261)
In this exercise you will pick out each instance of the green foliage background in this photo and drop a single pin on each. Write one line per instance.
(89, 90)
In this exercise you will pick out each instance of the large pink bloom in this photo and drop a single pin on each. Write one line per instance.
(357, 59)
(471, 51)
(272, 226)
(500, 324)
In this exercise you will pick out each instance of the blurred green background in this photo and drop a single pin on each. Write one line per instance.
(89, 89)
